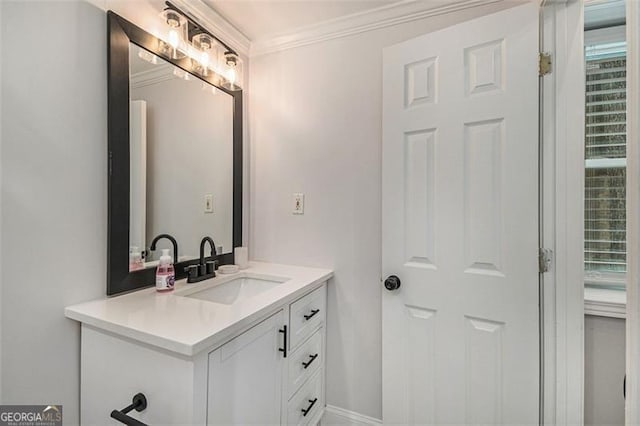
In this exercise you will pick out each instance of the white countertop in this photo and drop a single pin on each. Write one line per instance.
(187, 325)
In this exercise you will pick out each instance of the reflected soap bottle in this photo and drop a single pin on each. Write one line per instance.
(165, 274)
(135, 259)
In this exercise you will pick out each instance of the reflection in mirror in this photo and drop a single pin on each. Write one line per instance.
(181, 174)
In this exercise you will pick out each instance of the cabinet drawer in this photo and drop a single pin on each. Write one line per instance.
(307, 403)
(306, 314)
(305, 361)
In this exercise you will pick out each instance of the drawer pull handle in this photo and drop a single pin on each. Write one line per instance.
(308, 363)
(313, 312)
(313, 402)
(283, 349)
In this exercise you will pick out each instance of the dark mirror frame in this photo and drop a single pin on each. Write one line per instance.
(120, 33)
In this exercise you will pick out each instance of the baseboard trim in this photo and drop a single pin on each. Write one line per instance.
(339, 416)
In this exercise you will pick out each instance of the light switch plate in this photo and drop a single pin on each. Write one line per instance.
(298, 203)
(208, 203)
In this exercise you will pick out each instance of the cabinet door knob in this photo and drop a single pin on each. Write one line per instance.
(392, 283)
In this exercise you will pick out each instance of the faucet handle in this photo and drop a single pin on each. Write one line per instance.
(192, 272)
(212, 266)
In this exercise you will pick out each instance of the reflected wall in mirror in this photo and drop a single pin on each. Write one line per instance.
(175, 158)
(181, 147)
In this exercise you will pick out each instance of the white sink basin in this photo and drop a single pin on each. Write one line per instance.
(237, 290)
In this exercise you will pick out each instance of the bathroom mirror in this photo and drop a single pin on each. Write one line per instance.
(175, 159)
(181, 148)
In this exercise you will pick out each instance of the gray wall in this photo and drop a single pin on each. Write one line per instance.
(54, 186)
(316, 128)
(604, 370)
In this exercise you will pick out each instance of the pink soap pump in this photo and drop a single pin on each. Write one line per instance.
(165, 274)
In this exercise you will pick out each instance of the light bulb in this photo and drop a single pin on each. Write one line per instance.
(174, 39)
(231, 71)
(231, 76)
(176, 33)
(204, 59)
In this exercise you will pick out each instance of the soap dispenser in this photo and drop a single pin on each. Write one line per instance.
(165, 274)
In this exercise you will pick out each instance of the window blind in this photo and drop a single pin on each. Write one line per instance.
(605, 154)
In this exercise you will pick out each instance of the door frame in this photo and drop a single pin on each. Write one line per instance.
(562, 213)
(632, 410)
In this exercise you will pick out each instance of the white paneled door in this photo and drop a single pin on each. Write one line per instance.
(460, 224)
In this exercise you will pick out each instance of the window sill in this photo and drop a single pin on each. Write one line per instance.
(605, 302)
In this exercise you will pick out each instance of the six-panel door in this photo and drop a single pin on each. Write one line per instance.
(460, 224)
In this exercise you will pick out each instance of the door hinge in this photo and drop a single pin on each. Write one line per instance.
(544, 64)
(544, 260)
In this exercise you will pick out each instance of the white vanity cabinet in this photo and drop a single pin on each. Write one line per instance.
(252, 380)
(248, 377)
(245, 376)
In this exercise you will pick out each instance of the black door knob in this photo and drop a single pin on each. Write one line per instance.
(392, 283)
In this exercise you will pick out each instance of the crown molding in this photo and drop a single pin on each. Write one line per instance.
(158, 74)
(217, 24)
(386, 16)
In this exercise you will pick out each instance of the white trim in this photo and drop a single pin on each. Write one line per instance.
(217, 24)
(633, 206)
(605, 302)
(563, 212)
(603, 309)
(158, 74)
(382, 17)
(605, 163)
(339, 416)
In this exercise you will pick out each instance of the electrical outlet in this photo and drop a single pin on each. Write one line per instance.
(298, 203)
(208, 203)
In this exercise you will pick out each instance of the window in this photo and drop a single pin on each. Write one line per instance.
(605, 258)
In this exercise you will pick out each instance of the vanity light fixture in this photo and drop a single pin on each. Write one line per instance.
(233, 69)
(204, 45)
(177, 34)
(186, 37)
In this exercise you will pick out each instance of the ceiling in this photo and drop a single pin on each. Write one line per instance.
(261, 19)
